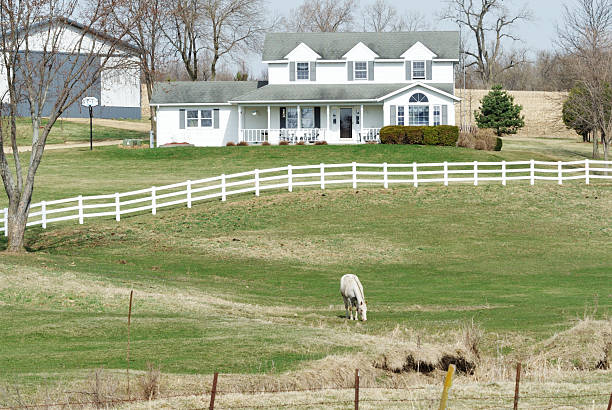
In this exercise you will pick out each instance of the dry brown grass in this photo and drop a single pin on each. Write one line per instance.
(480, 139)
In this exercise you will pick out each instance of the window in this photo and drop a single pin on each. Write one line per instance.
(308, 117)
(418, 70)
(437, 109)
(400, 115)
(199, 118)
(206, 118)
(302, 71)
(361, 70)
(292, 117)
(418, 98)
(418, 114)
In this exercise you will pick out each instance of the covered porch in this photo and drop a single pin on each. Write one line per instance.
(310, 122)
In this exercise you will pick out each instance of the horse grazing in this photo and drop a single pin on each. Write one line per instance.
(354, 299)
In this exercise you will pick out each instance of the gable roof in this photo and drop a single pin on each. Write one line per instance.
(332, 46)
(201, 92)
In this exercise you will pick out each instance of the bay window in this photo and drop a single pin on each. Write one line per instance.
(400, 115)
(418, 114)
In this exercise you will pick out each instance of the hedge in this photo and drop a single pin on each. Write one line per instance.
(436, 135)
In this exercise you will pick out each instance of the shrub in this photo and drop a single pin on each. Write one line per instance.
(321, 143)
(243, 144)
(498, 111)
(283, 143)
(301, 143)
(422, 135)
(150, 382)
(266, 143)
(481, 139)
(230, 144)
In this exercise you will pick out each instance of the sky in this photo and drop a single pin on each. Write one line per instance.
(537, 34)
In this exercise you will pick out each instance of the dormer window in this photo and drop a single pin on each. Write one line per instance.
(302, 71)
(418, 70)
(361, 70)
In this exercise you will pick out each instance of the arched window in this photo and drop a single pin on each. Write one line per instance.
(418, 98)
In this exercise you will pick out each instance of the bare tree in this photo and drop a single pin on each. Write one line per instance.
(586, 36)
(484, 18)
(381, 16)
(49, 61)
(322, 16)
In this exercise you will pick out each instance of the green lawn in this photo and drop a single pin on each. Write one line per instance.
(65, 132)
(251, 285)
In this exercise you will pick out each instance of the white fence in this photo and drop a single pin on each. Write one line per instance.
(322, 175)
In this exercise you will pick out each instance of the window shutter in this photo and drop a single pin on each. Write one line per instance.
(182, 118)
(371, 70)
(349, 70)
(317, 115)
(445, 115)
(216, 118)
(313, 71)
(408, 70)
(428, 70)
(283, 117)
(292, 71)
(393, 113)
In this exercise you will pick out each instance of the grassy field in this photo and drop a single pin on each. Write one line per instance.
(65, 131)
(249, 287)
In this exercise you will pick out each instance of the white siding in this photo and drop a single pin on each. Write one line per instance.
(434, 99)
(331, 73)
(67, 41)
(3, 82)
(279, 73)
(120, 87)
(442, 72)
(168, 129)
(389, 73)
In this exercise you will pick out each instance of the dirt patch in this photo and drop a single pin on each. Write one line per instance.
(425, 360)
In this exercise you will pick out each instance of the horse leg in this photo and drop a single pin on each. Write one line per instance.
(346, 306)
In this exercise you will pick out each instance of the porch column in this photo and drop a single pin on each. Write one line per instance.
(239, 123)
(268, 121)
(361, 123)
(299, 112)
(328, 122)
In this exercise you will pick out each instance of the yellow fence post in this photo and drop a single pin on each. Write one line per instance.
(448, 381)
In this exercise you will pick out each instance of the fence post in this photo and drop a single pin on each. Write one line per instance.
(128, 343)
(213, 392)
(117, 207)
(223, 195)
(448, 381)
(610, 402)
(43, 207)
(475, 173)
(415, 178)
(189, 194)
(586, 171)
(385, 176)
(354, 175)
(256, 182)
(445, 173)
(516, 386)
(81, 209)
(290, 178)
(532, 171)
(322, 176)
(356, 389)
(5, 221)
(153, 201)
(560, 172)
(503, 172)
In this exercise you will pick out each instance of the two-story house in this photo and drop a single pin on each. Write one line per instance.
(337, 87)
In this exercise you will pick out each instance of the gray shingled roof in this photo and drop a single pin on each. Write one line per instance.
(327, 92)
(332, 46)
(206, 92)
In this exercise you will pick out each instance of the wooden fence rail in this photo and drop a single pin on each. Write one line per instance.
(322, 175)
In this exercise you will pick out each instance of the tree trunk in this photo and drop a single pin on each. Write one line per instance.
(17, 220)
(595, 145)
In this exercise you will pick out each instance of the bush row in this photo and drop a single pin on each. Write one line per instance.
(436, 135)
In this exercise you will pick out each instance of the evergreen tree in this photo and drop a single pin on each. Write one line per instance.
(498, 111)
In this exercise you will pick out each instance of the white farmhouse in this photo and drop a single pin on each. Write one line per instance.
(337, 87)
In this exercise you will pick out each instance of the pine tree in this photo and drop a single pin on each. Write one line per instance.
(498, 111)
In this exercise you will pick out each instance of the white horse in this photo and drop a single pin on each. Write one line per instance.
(354, 299)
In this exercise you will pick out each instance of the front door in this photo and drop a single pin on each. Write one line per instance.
(346, 123)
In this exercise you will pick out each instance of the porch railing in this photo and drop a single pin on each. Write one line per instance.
(369, 134)
(291, 135)
(254, 136)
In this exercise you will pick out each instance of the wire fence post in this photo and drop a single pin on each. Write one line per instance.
(475, 173)
(516, 386)
(256, 182)
(128, 343)
(503, 172)
(445, 173)
(153, 201)
(610, 402)
(223, 195)
(117, 207)
(43, 214)
(5, 221)
(322, 176)
(354, 175)
(385, 176)
(448, 381)
(80, 209)
(213, 392)
(560, 172)
(289, 178)
(189, 194)
(415, 177)
(356, 389)
(532, 171)
(586, 171)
